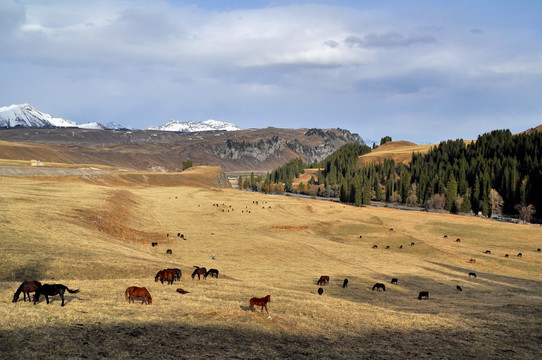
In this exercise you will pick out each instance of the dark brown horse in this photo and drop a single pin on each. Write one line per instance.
(199, 271)
(324, 279)
(177, 273)
(138, 292)
(165, 275)
(379, 286)
(52, 290)
(212, 272)
(260, 302)
(26, 288)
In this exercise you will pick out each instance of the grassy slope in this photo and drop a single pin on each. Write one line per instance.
(97, 238)
(400, 151)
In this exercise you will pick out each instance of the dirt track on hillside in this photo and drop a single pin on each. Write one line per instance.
(50, 171)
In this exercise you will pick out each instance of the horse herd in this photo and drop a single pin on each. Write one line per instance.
(38, 289)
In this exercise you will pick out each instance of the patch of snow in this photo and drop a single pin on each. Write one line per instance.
(196, 126)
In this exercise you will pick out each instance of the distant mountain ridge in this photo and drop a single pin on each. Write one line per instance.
(196, 126)
(24, 115)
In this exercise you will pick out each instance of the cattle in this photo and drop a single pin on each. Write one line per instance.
(345, 283)
(320, 291)
(394, 281)
(423, 294)
(169, 251)
(473, 274)
(458, 288)
(472, 261)
(324, 279)
(379, 286)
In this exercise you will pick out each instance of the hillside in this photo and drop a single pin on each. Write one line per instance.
(400, 151)
(253, 149)
(96, 238)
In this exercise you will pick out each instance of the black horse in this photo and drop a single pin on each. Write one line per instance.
(26, 288)
(458, 288)
(379, 286)
(199, 271)
(345, 283)
(212, 272)
(51, 290)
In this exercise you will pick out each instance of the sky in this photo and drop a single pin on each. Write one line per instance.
(422, 71)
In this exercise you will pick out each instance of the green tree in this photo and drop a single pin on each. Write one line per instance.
(451, 194)
(385, 139)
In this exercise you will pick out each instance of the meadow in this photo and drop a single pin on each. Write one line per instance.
(95, 234)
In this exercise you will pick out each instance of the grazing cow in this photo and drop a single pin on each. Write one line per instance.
(472, 261)
(458, 288)
(473, 274)
(458, 240)
(212, 272)
(51, 290)
(260, 302)
(423, 294)
(487, 252)
(375, 246)
(379, 286)
(181, 291)
(520, 255)
(168, 251)
(199, 271)
(506, 255)
(320, 291)
(387, 247)
(345, 283)
(412, 244)
(394, 281)
(324, 279)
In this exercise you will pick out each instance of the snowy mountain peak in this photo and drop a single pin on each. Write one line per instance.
(195, 126)
(25, 115)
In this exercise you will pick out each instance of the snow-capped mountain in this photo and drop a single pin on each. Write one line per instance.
(195, 126)
(26, 116)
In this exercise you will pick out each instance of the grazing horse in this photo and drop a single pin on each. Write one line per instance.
(26, 288)
(199, 271)
(400, 246)
(177, 273)
(212, 272)
(320, 291)
(487, 252)
(538, 250)
(394, 281)
(412, 244)
(506, 255)
(260, 302)
(51, 290)
(472, 274)
(520, 255)
(423, 294)
(445, 236)
(458, 288)
(387, 247)
(379, 286)
(324, 279)
(345, 283)
(154, 244)
(375, 246)
(138, 292)
(165, 275)
(168, 251)
(458, 240)
(472, 261)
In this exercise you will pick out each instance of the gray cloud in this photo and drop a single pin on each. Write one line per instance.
(389, 39)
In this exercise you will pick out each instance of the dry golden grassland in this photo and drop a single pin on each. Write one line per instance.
(96, 238)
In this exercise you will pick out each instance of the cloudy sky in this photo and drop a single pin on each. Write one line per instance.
(423, 71)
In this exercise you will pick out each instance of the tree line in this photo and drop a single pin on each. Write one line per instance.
(496, 174)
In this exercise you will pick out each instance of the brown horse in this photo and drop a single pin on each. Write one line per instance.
(51, 290)
(260, 302)
(324, 279)
(26, 288)
(379, 286)
(138, 292)
(165, 275)
(177, 273)
(199, 271)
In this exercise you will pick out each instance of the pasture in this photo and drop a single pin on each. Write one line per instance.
(96, 236)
